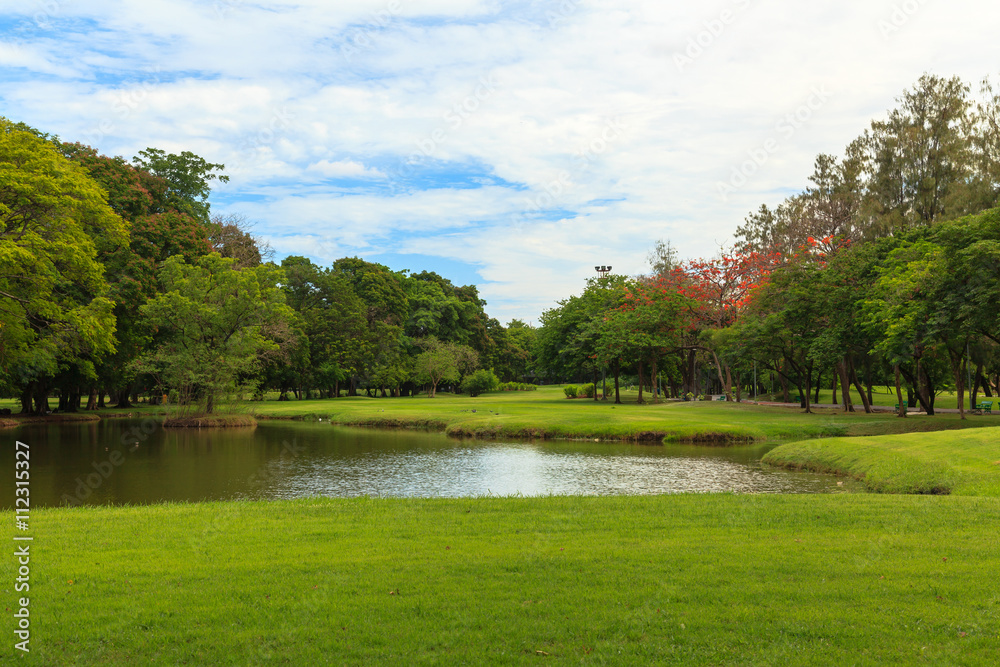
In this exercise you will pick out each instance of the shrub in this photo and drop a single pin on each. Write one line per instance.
(570, 390)
(480, 382)
(587, 390)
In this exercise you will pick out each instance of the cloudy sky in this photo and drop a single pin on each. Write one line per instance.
(513, 145)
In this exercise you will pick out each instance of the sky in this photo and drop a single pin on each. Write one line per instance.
(510, 145)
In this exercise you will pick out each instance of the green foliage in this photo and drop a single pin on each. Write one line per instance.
(213, 325)
(517, 386)
(567, 343)
(586, 390)
(480, 382)
(54, 305)
(187, 177)
(570, 390)
(442, 362)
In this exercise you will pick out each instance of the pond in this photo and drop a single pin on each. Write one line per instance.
(119, 461)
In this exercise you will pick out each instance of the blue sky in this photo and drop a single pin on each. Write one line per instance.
(512, 145)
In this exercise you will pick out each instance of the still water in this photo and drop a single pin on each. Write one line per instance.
(134, 461)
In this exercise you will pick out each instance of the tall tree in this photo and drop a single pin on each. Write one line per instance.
(213, 323)
(54, 308)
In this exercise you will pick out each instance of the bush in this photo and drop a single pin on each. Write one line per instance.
(480, 382)
(517, 386)
(587, 390)
(570, 390)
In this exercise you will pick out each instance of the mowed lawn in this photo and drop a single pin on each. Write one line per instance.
(963, 462)
(691, 580)
(547, 413)
(704, 579)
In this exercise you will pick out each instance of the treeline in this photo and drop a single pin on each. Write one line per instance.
(117, 282)
(886, 270)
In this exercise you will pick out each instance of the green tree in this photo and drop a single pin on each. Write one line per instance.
(213, 323)
(54, 305)
(187, 177)
(442, 362)
(480, 382)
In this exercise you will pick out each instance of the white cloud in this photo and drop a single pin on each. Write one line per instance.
(344, 169)
(269, 90)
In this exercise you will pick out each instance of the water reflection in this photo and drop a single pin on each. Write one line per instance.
(98, 463)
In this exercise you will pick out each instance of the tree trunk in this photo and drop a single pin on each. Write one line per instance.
(819, 382)
(653, 381)
(618, 398)
(925, 394)
(122, 398)
(899, 394)
(853, 374)
(786, 397)
(92, 399)
(725, 387)
(641, 382)
(808, 387)
(835, 401)
(958, 368)
(974, 396)
(689, 380)
(26, 401)
(868, 380)
(845, 386)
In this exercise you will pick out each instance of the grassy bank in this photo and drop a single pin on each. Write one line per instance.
(963, 462)
(547, 413)
(694, 580)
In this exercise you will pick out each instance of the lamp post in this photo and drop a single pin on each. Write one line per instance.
(602, 271)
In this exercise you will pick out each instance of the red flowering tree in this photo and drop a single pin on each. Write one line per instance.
(716, 291)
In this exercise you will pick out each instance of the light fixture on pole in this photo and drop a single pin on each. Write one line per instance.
(602, 270)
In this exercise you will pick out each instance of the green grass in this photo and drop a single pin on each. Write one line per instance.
(546, 413)
(963, 462)
(692, 580)
(886, 397)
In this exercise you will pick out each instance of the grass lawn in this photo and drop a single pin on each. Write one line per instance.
(886, 396)
(547, 413)
(693, 580)
(682, 579)
(963, 462)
